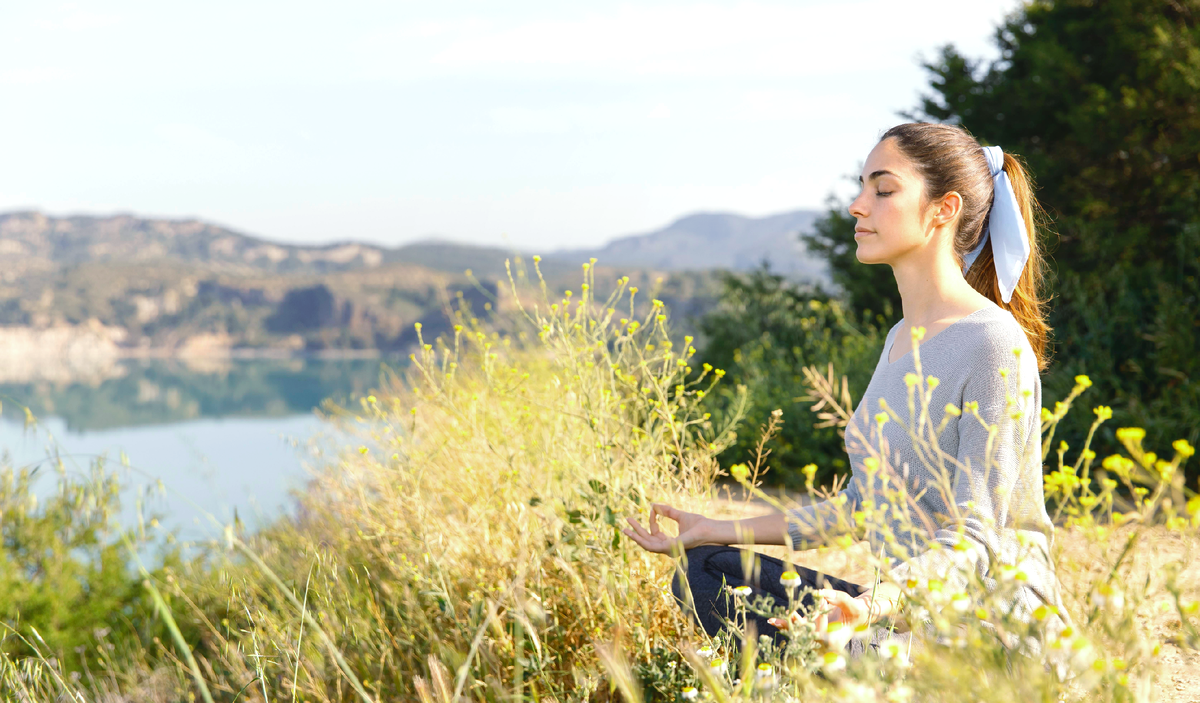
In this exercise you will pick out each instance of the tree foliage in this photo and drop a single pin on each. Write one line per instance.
(1101, 99)
(763, 332)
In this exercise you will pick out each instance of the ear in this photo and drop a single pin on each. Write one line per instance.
(946, 210)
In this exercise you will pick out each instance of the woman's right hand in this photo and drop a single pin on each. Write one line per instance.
(693, 531)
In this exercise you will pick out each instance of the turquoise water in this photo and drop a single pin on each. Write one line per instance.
(225, 437)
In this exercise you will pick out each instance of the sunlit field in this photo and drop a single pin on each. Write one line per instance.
(467, 546)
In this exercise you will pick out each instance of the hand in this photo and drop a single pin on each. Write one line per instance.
(691, 531)
(842, 607)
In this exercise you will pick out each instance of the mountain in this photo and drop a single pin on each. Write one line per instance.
(90, 289)
(717, 240)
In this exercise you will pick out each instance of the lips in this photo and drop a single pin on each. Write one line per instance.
(859, 232)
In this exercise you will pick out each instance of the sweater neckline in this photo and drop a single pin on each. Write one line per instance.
(887, 353)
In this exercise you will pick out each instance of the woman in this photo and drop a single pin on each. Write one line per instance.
(956, 222)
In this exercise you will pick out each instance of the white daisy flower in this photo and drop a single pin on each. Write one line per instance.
(836, 635)
(833, 661)
(1108, 595)
(706, 651)
(716, 667)
(764, 676)
(791, 579)
(689, 693)
(960, 602)
(743, 591)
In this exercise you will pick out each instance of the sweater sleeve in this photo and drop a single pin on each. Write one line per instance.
(980, 482)
(812, 525)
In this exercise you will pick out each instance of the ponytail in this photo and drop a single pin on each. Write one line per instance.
(1027, 303)
(950, 159)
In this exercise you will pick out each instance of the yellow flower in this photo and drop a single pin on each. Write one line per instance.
(1184, 449)
(689, 693)
(739, 471)
(933, 382)
(910, 379)
(1131, 434)
(1103, 412)
(881, 418)
(952, 409)
(1083, 380)
(537, 259)
(790, 579)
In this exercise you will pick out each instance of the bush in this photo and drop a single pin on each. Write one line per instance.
(763, 332)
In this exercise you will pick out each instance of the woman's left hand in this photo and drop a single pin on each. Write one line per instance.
(844, 608)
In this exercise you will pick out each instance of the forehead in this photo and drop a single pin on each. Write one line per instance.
(887, 157)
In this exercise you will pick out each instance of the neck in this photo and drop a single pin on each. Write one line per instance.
(930, 283)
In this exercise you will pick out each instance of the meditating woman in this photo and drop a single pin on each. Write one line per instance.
(955, 221)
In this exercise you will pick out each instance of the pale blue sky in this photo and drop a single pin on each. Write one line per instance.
(533, 124)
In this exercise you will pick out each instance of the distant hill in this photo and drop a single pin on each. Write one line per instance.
(86, 287)
(717, 241)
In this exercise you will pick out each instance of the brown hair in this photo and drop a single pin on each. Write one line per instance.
(950, 159)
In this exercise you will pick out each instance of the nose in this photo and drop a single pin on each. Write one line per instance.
(858, 207)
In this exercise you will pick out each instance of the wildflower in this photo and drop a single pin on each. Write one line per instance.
(689, 693)
(933, 382)
(833, 661)
(881, 418)
(1183, 448)
(1131, 434)
(1083, 380)
(537, 259)
(836, 635)
(739, 471)
(1110, 595)
(744, 591)
(895, 652)
(716, 667)
(960, 602)
(791, 579)
(764, 676)
(706, 651)
(918, 333)
(952, 409)
(1103, 412)
(910, 379)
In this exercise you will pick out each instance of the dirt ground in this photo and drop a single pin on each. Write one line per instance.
(1155, 554)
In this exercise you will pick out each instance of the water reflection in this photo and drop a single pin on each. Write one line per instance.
(221, 436)
(155, 392)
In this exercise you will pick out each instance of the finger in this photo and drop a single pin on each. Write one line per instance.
(639, 539)
(666, 510)
(637, 527)
(654, 528)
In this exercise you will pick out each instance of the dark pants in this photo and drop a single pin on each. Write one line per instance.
(711, 568)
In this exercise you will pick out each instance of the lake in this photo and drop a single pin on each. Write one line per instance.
(221, 435)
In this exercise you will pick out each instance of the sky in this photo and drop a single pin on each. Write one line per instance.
(537, 125)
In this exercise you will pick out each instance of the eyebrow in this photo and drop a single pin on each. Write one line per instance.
(877, 174)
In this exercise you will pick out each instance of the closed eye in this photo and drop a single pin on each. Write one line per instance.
(883, 194)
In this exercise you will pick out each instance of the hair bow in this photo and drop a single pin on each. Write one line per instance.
(1006, 228)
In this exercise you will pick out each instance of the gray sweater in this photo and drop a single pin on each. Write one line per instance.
(953, 495)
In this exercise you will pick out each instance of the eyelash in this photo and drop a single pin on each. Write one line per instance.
(882, 194)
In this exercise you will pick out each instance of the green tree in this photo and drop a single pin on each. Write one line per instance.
(763, 331)
(1101, 99)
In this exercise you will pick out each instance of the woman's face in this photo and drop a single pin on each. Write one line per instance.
(891, 220)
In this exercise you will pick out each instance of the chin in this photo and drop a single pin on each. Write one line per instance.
(865, 255)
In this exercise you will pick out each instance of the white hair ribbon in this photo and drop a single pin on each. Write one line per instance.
(1006, 228)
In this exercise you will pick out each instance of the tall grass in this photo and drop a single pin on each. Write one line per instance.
(466, 546)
